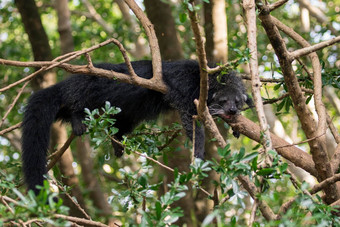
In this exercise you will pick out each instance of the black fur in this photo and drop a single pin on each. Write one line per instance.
(66, 101)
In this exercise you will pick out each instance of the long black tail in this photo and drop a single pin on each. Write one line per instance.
(40, 113)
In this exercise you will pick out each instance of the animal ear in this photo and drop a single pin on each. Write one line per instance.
(245, 97)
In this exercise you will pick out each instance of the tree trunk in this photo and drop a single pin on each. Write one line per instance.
(141, 49)
(93, 186)
(38, 39)
(83, 145)
(42, 51)
(65, 163)
(215, 28)
(160, 15)
(64, 26)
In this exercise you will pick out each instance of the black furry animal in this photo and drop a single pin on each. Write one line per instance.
(67, 100)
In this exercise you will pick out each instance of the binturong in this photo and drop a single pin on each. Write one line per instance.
(67, 100)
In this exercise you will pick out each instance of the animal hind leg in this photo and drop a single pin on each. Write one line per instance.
(78, 127)
(124, 126)
(187, 123)
(117, 147)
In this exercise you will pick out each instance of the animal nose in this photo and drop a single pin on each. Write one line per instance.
(232, 111)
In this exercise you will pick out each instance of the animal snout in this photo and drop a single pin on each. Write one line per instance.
(232, 111)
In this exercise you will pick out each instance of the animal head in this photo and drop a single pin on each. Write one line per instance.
(228, 102)
(227, 96)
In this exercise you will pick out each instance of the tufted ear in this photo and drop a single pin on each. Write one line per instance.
(245, 97)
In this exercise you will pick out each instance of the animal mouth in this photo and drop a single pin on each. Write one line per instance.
(226, 116)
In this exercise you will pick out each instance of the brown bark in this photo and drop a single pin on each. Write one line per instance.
(91, 181)
(160, 15)
(65, 162)
(249, 7)
(140, 49)
(83, 146)
(38, 39)
(216, 33)
(293, 154)
(309, 126)
(64, 26)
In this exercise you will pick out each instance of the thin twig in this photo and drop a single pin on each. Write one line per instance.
(56, 156)
(277, 4)
(310, 49)
(11, 106)
(72, 200)
(9, 129)
(301, 142)
(6, 204)
(168, 168)
(81, 220)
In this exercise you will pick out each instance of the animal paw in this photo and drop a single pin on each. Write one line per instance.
(78, 129)
(119, 150)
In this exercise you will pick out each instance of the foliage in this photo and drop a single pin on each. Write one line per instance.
(134, 191)
(23, 207)
(100, 123)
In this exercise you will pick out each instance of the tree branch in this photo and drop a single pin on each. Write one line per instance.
(9, 129)
(153, 42)
(249, 6)
(153, 84)
(277, 4)
(56, 156)
(202, 59)
(310, 49)
(309, 126)
(293, 154)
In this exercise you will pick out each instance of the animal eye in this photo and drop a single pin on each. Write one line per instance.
(222, 101)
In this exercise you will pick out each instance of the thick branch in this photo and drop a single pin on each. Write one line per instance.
(202, 59)
(324, 183)
(204, 112)
(310, 49)
(318, 146)
(249, 6)
(153, 84)
(277, 4)
(293, 154)
(251, 188)
(153, 41)
(319, 106)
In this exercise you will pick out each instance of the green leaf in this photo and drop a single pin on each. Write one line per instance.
(208, 219)
(280, 105)
(250, 156)
(182, 17)
(265, 171)
(159, 210)
(142, 180)
(241, 154)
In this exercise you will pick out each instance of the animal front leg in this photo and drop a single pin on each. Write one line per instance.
(187, 123)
